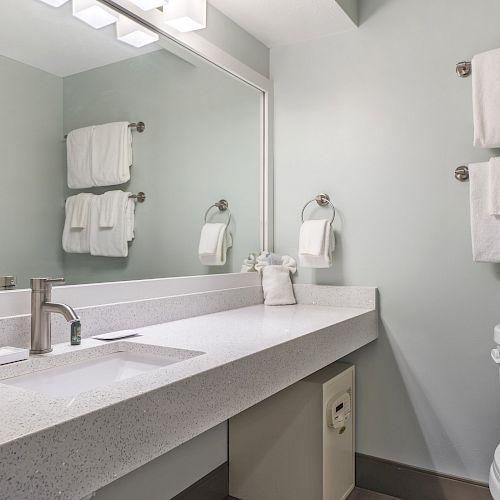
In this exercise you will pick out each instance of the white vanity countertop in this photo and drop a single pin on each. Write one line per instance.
(76, 445)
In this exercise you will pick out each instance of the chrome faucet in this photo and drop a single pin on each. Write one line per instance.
(41, 309)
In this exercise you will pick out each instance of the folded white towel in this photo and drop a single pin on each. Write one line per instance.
(111, 241)
(77, 239)
(486, 99)
(215, 240)
(111, 154)
(79, 158)
(316, 244)
(485, 228)
(81, 210)
(494, 186)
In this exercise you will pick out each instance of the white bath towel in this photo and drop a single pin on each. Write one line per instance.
(77, 239)
(316, 244)
(485, 228)
(215, 241)
(111, 154)
(111, 241)
(486, 99)
(79, 158)
(494, 186)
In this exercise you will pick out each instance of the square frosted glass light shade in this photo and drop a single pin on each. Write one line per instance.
(148, 4)
(186, 15)
(93, 13)
(134, 33)
(54, 3)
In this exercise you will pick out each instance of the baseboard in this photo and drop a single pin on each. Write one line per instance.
(412, 483)
(214, 486)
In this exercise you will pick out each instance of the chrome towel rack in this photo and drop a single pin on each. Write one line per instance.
(464, 69)
(139, 127)
(223, 206)
(323, 200)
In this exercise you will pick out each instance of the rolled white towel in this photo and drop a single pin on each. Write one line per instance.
(276, 282)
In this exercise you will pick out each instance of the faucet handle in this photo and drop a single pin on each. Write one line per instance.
(42, 284)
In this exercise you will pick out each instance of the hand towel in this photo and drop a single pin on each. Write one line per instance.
(79, 158)
(316, 244)
(81, 210)
(494, 186)
(215, 240)
(110, 241)
(77, 239)
(486, 99)
(485, 228)
(111, 154)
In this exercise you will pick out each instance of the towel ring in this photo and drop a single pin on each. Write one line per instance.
(223, 206)
(323, 200)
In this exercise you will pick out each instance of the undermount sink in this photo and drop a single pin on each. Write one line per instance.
(81, 376)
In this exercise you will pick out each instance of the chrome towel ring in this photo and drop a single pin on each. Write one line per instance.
(223, 206)
(323, 200)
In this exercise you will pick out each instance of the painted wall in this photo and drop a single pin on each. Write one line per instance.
(201, 144)
(31, 170)
(378, 119)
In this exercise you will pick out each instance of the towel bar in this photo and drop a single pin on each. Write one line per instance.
(222, 205)
(464, 69)
(139, 126)
(140, 197)
(323, 200)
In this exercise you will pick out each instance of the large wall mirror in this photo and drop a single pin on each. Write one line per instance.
(202, 143)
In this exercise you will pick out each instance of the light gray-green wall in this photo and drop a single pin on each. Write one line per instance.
(379, 120)
(201, 144)
(31, 171)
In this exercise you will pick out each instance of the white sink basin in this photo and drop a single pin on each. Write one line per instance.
(72, 379)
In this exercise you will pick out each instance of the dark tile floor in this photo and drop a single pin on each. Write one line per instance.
(358, 494)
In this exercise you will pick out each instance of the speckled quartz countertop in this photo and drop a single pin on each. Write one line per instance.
(68, 447)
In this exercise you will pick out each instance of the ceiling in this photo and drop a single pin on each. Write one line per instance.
(284, 22)
(53, 40)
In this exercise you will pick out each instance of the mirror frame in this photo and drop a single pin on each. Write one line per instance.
(191, 47)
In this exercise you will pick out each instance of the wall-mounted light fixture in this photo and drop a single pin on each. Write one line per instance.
(148, 4)
(186, 15)
(94, 13)
(134, 33)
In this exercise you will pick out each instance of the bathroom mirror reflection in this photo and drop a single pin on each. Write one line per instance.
(201, 144)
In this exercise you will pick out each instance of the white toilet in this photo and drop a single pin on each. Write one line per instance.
(495, 466)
